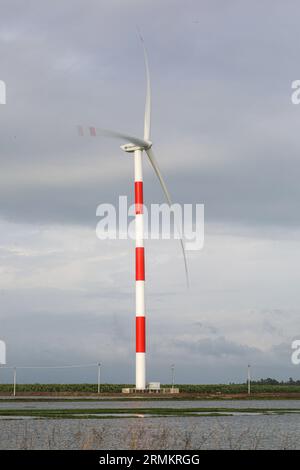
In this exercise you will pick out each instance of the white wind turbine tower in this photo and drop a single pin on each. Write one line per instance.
(137, 146)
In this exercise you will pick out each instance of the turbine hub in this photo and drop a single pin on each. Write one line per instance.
(129, 148)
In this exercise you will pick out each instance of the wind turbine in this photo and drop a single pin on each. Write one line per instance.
(137, 146)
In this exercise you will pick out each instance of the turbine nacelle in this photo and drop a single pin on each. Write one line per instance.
(130, 148)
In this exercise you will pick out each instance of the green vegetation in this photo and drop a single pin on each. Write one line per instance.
(263, 386)
(63, 388)
(138, 412)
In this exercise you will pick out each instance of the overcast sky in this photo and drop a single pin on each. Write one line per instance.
(226, 134)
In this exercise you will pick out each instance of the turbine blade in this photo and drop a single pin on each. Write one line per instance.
(155, 167)
(96, 132)
(147, 118)
(159, 175)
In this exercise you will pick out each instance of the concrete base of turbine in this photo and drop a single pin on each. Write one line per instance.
(150, 390)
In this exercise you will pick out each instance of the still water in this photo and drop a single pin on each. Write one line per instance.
(256, 431)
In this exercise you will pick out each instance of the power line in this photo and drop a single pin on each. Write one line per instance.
(51, 367)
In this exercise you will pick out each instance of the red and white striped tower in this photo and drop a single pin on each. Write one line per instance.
(140, 370)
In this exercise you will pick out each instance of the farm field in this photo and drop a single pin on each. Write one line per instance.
(190, 391)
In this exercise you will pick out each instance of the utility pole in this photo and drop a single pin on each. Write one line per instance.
(173, 374)
(15, 380)
(99, 371)
(249, 379)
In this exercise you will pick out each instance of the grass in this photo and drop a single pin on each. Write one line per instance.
(156, 435)
(153, 412)
(76, 432)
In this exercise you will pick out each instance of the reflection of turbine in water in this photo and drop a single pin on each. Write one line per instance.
(136, 146)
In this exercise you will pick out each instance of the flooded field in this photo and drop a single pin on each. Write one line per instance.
(270, 425)
(232, 432)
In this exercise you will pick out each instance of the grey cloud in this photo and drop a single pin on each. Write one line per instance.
(217, 347)
(206, 328)
(221, 100)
